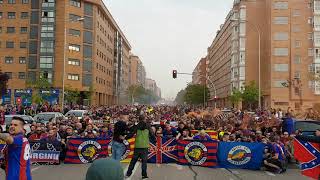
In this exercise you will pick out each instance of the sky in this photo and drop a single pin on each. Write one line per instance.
(169, 34)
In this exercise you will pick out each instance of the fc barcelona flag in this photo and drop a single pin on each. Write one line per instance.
(211, 133)
(198, 153)
(308, 154)
(85, 150)
(128, 153)
(163, 151)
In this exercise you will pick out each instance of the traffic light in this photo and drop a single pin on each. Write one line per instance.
(174, 74)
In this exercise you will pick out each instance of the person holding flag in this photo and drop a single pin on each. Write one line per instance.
(18, 151)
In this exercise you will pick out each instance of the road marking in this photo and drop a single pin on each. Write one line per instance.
(179, 167)
(235, 172)
(36, 168)
(133, 172)
(269, 173)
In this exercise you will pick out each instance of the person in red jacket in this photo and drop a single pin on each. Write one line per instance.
(37, 135)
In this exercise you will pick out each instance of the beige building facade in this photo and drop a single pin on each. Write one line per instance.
(289, 36)
(200, 72)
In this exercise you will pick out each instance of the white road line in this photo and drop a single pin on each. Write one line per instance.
(36, 168)
(133, 172)
(179, 167)
(270, 174)
(235, 172)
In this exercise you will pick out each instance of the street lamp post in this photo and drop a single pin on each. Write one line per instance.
(257, 29)
(64, 58)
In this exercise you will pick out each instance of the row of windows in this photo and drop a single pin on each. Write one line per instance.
(14, 1)
(74, 77)
(103, 81)
(75, 3)
(12, 15)
(10, 44)
(21, 75)
(10, 30)
(10, 60)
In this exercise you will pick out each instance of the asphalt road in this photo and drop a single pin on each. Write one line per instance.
(162, 172)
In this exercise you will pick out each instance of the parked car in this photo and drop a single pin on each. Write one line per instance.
(28, 121)
(46, 117)
(307, 127)
(77, 113)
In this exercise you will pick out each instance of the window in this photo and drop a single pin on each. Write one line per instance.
(74, 62)
(48, 3)
(11, 29)
(88, 9)
(23, 45)
(75, 3)
(74, 77)
(310, 20)
(297, 43)
(73, 17)
(47, 31)
(11, 15)
(280, 83)
(317, 5)
(47, 47)
(33, 47)
(1, 1)
(297, 75)
(32, 62)
(24, 15)
(10, 44)
(281, 36)
(74, 47)
(297, 59)
(281, 5)
(11, 1)
(296, 12)
(8, 60)
(24, 1)
(310, 36)
(87, 51)
(74, 32)
(46, 62)
(281, 67)
(46, 75)
(310, 52)
(22, 75)
(88, 22)
(9, 74)
(22, 60)
(280, 20)
(0, 29)
(281, 52)
(23, 30)
(47, 16)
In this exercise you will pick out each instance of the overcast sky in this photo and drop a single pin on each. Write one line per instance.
(169, 34)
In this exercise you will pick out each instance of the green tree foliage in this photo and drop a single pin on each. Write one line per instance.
(4, 78)
(250, 94)
(194, 94)
(180, 97)
(72, 96)
(39, 84)
(236, 97)
(141, 95)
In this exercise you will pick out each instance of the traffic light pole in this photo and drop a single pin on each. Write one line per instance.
(212, 84)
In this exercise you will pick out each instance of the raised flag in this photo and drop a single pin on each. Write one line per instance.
(198, 153)
(85, 150)
(240, 155)
(163, 151)
(211, 133)
(308, 155)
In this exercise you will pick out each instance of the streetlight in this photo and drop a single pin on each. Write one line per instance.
(64, 57)
(256, 27)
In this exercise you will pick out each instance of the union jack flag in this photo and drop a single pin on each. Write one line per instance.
(163, 151)
(308, 155)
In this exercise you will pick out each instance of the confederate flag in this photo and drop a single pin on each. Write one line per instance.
(308, 155)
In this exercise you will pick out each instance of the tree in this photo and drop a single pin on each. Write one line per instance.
(71, 95)
(134, 92)
(4, 78)
(39, 84)
(250, 94)
(236, 97)
(195, 95)
(180, 97)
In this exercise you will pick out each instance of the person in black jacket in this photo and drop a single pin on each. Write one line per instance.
(314, 139)
(120, 132)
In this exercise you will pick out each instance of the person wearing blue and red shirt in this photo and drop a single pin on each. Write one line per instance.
(18, 151)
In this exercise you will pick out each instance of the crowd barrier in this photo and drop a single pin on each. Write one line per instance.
(211, 154)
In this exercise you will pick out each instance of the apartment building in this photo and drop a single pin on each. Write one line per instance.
(138, 73)
(289, 52)
(200, 72)
(74, 44)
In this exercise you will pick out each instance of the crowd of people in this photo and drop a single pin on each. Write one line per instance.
(178, 122)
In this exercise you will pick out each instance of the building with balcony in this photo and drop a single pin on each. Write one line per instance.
(200, 72)
(75, 44)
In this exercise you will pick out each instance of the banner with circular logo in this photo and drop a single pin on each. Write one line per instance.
(88, 151)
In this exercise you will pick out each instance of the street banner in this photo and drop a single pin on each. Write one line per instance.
(198, 153)
(45, 152)
(240, 155)
(86, 150)
(308, 154)
(211, 133)
(164, 150)
(128, 153)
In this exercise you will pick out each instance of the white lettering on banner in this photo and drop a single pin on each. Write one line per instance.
(239, 155)
(36, 156)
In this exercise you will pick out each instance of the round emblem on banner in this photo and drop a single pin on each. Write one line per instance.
(126, 152)
(88, 151)
(196, 153)
(239, 155)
